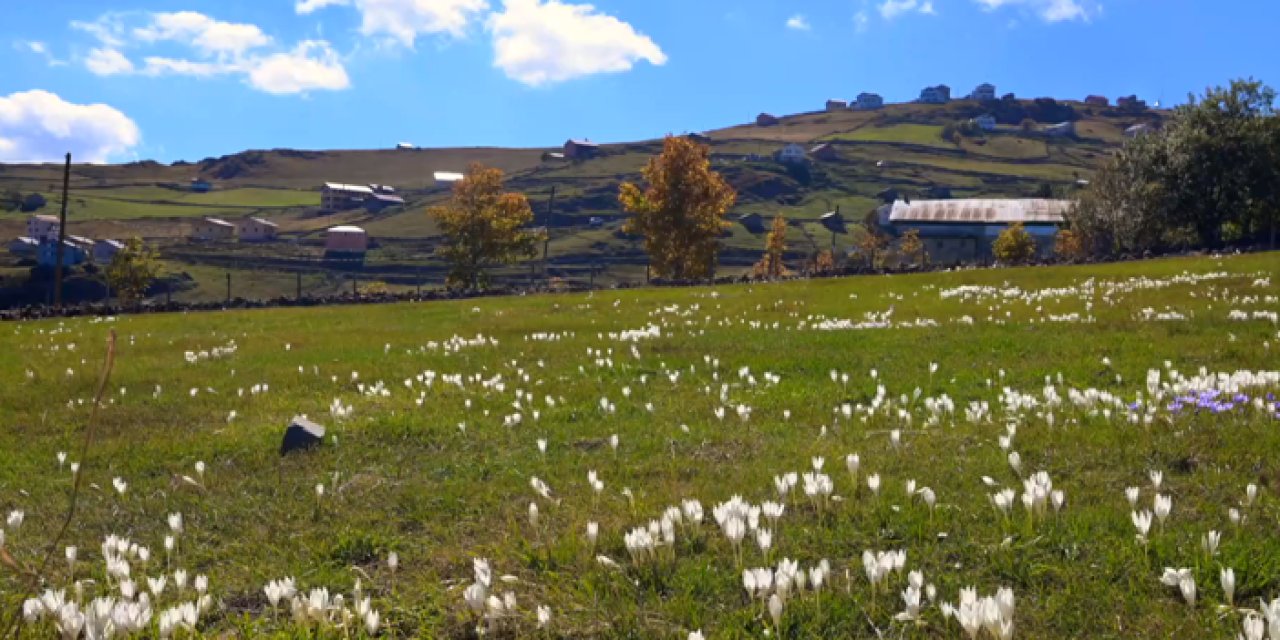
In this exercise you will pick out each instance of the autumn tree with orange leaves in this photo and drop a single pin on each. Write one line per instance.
(483, 227)
(775, 245)
(681, 213)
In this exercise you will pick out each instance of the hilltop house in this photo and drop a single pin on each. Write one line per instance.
(963, 230)
(1138, 130)
(200, 185)
(700, 138)
(837, 105)
(791, 154)
(212, 229)
(256, 230)
(986, 122)
(1131, 102)
(43, 228)
(766, 120)
(405, 146)
(825, 151)
(940, 94)
(72, 254)
(105, 250)
(335, 196)
(984, 91)
(752, 222)
(1060, 130)
(346, 241)
(869, 102)
(581, 149)
(1097, 101)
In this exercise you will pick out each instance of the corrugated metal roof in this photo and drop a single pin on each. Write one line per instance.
(346, 228)
(219, 222)
(260, 221)
(585, 143)
(448, 176)
(350, 188)
(978, 211)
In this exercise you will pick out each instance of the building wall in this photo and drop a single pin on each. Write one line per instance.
(346, 242)
(206, 231)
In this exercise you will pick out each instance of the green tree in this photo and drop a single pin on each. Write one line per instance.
(483, 227)
(1014, 245)
(132, 270)
(681, 213)
(912, 248)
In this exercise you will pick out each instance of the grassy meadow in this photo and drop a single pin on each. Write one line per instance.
(449, 422)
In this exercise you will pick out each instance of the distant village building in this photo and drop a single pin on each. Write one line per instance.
(766, 120)
(1060, 130)
(1097, 101)
(940, 94)
(963, 230)
(552, 156)
(336, 196)
(210, 229)
(345, 241)
(791, 154)
(200, 185)
(105, 250)
(1138, 130)
(752, 222)
(257, 230)
(24, 247)
(1131, 102)
(381, 201)
(43, 228)
(581, 149)
(700, 138)
(405, 146)
(869, 102)
(450, 177)
(72, 254)
(984, 92)
(825, 151)
(837, 105)
(986, 122)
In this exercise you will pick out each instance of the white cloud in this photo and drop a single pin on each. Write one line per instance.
(798, 23)
(204, 33)
(38, 126)
(1048, 10)
(160, 66)
(108, 29)
(311, 65)
(36, 47)
(890, 9)
(304, 7)
(861, 21)
(539, 42)
(107, 62)
(404, 20)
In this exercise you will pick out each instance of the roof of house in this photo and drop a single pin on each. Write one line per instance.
(256, 220)
(218, 222)
(349, 188)
(583, 143)
(981, 211)
(79, 239)
(345, 228)
(382, 197)
(112, 243)
(45, 218)
(448, 176)
(26, 240)
(838, 101)
(822, 147)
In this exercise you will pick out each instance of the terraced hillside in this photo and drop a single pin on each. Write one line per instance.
(900, 147)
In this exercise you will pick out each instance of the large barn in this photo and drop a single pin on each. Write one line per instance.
(963, 230)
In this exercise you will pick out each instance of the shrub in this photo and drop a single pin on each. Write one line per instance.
(1014, 245)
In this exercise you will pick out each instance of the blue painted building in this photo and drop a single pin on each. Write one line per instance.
(963, 230)
(73, 254)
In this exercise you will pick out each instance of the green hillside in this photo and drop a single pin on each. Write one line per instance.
(900, 147)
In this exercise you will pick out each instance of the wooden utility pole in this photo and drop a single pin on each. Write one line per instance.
(62, 235)
(546, 240)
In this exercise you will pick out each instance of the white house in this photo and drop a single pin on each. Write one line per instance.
(869, 102)
(791, 154)
(940, 94)
(256, 230)
(837, 105)
(105, 250)
(42, 228)
(24, 247)
(406, 146)
(985, 91)
(346, 240)
(986, 122)
(213, 229)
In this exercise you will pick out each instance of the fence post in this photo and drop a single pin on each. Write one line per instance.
(299, 296)
(228, 287)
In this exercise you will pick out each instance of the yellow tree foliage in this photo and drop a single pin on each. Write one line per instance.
(775, 246)
(483, 227)
(132, 269)
(912, 247)
(681, 213)
(1014, 245)
(871, 246)
(1069, 245)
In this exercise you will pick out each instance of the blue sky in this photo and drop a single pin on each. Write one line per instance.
(114, 80)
